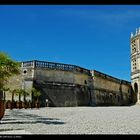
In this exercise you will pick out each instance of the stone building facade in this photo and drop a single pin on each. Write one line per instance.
(71, 85)
(135, 63)
(61, 84)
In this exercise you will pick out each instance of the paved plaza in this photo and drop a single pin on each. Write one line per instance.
(72, 120)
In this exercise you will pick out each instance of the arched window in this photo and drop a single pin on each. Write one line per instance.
(136, 88)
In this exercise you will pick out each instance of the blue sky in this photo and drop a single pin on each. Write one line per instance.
(91, 36)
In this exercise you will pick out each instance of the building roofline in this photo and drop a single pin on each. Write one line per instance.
(54, 65)
(109, 77)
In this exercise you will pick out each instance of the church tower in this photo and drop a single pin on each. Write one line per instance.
(135, 63)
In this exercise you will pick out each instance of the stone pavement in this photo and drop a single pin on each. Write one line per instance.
(72, 120)
(15, 132)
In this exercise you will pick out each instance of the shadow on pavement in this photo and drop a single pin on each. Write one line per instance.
(19, 117)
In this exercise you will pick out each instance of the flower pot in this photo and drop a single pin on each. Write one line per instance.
(17, 104)
(13, 105)
(25, 105)
(8, 104)
(20, 104)
(37, 104)
(29, 105)
(2, 108)
(33, 104)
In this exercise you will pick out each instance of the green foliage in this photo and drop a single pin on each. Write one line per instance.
(8, 68)
(36, 92)
(20, 92)
(5, 89)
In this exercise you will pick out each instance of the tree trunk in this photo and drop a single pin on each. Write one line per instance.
(12, 97)
(12, 102)
(20, 103)
(37, 103)
(24, 98)
(4, 95)
(19, 97)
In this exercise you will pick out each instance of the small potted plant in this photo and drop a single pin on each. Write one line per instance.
(29, 104)
(36, 94)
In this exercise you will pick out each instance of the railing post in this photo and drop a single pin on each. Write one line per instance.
(34, 63)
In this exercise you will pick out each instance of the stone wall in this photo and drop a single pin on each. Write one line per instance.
(69, 85)
(60, 95)
(61, 84)
(62, 88)
(108, 90)
(14, 82)
(61, 76)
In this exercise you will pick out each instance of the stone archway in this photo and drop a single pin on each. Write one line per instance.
(136, 90)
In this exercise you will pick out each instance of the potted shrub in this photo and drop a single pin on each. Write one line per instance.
(19, 93)
(8, 68)
(19, 103)
(14, 92)
(7, 106)
(29, 104)
(25, 94)
(4, 89)
(36, 94)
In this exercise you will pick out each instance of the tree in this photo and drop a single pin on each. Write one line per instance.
(4, 92)
(8, 68)
(11, 103)
(24, 93)
(14, 92)
(36, 93)
(19, 93)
